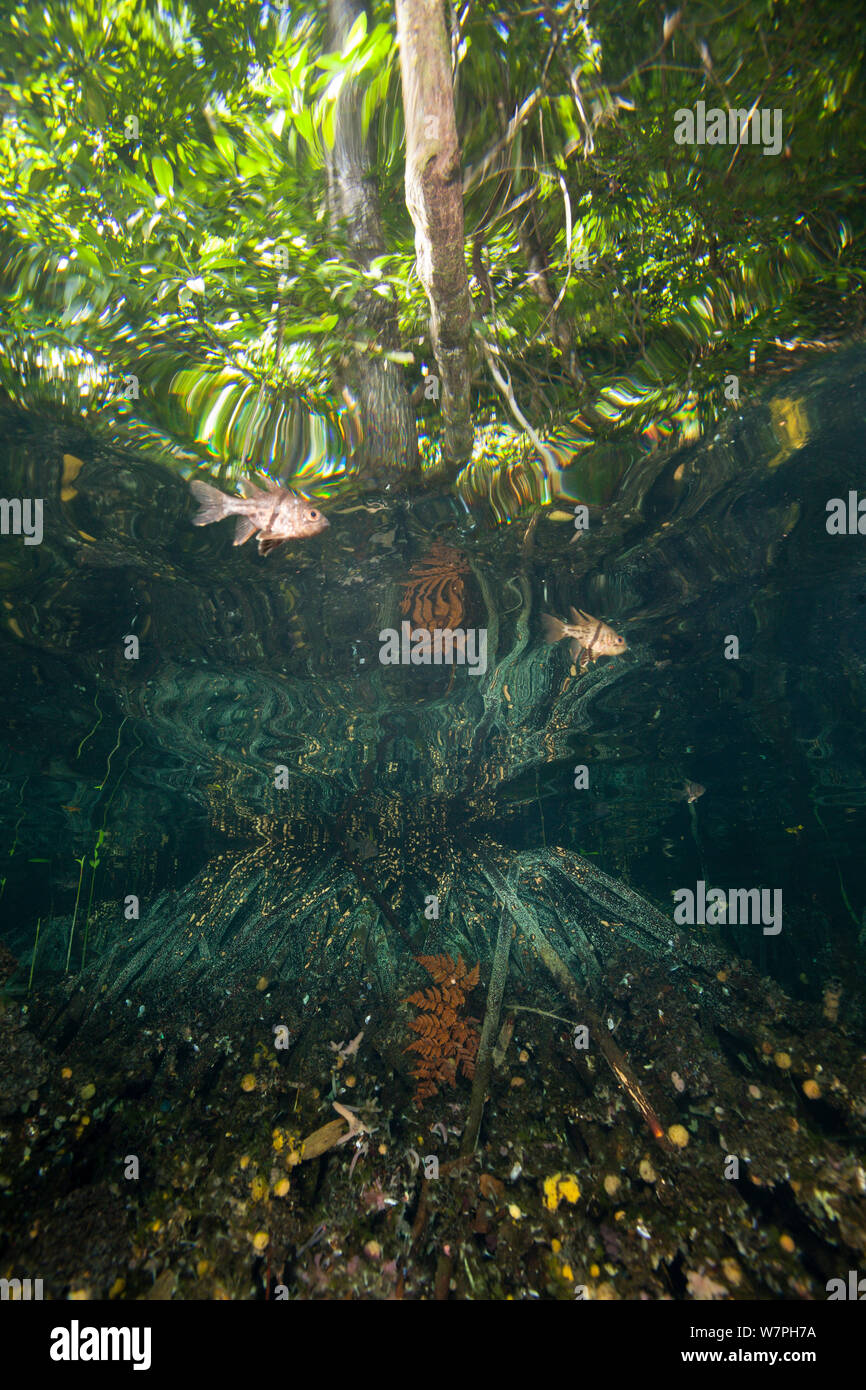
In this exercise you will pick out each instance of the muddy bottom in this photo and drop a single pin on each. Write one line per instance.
(256, 1145)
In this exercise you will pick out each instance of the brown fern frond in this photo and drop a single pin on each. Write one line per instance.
(440, 967)
(472, 978)
(424, 1024)
(446, 1043)
(435, 596)
(419, 999)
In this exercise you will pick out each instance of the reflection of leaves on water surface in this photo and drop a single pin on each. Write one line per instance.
(435, 592)
(243, 668)
(382, 801)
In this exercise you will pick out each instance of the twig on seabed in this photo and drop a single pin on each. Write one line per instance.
(354, 1121)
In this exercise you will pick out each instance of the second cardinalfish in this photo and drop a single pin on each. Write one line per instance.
(277, 514)
(590, 637)
(690, 791)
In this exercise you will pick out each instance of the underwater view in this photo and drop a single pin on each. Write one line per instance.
(433, 638)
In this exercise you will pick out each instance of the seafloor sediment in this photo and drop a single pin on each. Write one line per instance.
(157, 1150)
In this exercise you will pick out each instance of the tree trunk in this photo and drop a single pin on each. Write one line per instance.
(390, 442)
(434, 198)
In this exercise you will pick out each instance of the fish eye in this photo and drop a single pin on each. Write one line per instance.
(314, 515)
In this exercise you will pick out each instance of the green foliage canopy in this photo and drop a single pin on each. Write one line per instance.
(165, 214)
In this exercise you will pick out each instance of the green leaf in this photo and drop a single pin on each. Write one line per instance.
(39, 180)
(89, 258)
(163, 175)
(225, 146)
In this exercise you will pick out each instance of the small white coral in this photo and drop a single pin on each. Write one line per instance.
(347, 1049)
(702, 1287)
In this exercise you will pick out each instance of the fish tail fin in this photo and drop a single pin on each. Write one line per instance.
(553, 628)
(212, 503)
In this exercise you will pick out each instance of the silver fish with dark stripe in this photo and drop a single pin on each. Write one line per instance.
(277, 514)
(591, 638)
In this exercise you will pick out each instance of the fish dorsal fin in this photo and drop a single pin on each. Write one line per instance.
(272, 485)
(580, 616)
(249, 489)
(575, 615)
(243, 530)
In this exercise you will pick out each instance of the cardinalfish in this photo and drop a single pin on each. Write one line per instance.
(590, 637)
(277, 514)
(691, 791)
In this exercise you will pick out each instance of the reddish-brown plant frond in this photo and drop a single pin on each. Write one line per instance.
(446, 1043)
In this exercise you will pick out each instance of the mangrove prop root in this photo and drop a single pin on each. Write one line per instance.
(443, 1277)
(444, 1264)
(484, 1061)
(535, 939)
(611, 1053)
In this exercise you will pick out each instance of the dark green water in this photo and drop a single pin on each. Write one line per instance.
(246, 821)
